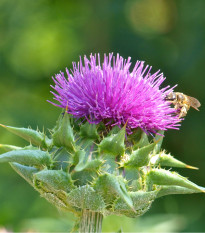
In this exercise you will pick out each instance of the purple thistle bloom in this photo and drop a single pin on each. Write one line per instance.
(111, 92)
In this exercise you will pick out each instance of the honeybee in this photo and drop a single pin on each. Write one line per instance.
(182, 102)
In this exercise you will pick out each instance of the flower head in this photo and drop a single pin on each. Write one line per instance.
(113, 93)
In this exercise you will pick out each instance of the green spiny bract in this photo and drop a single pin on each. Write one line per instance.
(88, 166)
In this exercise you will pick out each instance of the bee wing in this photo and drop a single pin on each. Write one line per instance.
(194, 103)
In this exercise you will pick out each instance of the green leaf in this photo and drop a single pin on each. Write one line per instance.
(84, 176)
(62, 160)
(55, 180)
(140, 157)
(89, 131)
(109, 164)
(34, 137)
(140, 139)
(63, 134)
(164, 177)
(158, 140)
(9, 147)
(141, 202)
(85, 173)
(93, 164)
(173, 189)
(79, 160)
(114, 130)
(134, 178)
(110, 187)
(36, 158)
(57, 200)
(89, 165)
(164, 159)
(85, 197)
(114, 144)
(25, 171)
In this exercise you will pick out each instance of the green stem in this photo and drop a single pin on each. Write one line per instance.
(90, 221)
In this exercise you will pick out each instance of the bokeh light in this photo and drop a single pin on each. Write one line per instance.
(150, 17)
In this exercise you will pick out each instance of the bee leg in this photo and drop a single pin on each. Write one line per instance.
(177, 105)
(183, 112)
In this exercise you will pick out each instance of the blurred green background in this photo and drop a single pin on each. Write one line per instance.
(39, 38)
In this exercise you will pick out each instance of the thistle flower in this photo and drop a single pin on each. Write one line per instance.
(113, 93)
(92, 170)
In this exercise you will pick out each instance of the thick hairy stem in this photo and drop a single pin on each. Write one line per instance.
(90, 221)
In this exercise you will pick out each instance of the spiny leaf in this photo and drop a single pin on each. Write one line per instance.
(62, 159)
(89, 131)
(109, 186)
(140, 139)
(35, 137)
(27, 157)
(164, 177)
(9, 147)
(55, 180)
(93, 164)
(141, 202)
(114, 144)
(53, 199)
(159, 139)
(173, 189)
(25, 171)
(63, 134)
(109, 164)
(84, 176)
(164, 159)
(85, 197)
(140, 157)
(131, 174)
(89, 165)
(79, 160)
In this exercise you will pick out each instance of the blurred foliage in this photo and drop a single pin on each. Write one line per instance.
(39, 38)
